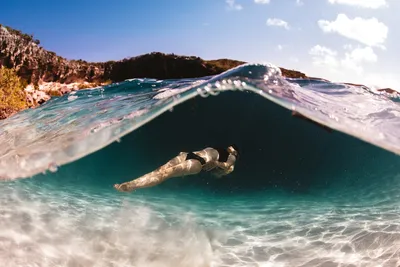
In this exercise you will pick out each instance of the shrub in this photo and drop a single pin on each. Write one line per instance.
(85, 86)
(107, 82)
(12, 94)
(54, 93)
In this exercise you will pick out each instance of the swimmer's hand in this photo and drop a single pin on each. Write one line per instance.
(231, 168)
(123, 187)
(222, 172)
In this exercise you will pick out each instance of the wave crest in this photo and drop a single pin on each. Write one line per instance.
(64, 130)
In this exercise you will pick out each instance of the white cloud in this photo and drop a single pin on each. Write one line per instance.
(382, 80)
(261, 1)
(370, 32)
(233, 6)
(280, 47)
(278, 23)
(319, 50)
(299, 2)
(366, 54)
(351, 67)
(355, 59)
(348, 47)
(323, 56)
(361, 3)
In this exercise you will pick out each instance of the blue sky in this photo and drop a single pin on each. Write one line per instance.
(341, 40)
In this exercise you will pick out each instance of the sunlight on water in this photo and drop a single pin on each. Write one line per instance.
(48, 226)
(45, 228)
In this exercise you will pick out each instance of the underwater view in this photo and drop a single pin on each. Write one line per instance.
(317, 190)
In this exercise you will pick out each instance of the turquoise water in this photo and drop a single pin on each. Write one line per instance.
(299, 196)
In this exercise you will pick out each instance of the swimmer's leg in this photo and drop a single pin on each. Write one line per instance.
(173, 162)
(146, 179)
(188, 167)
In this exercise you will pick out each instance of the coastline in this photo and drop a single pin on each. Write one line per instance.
(44, 74)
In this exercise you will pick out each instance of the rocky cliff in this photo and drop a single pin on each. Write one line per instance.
(33, 63)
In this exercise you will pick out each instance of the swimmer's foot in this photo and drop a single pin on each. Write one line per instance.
(123, 187)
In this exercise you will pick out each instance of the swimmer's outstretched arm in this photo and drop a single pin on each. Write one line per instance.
(228, 164)
(225, 168)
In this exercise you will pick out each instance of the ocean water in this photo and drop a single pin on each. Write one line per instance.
(301, 194)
